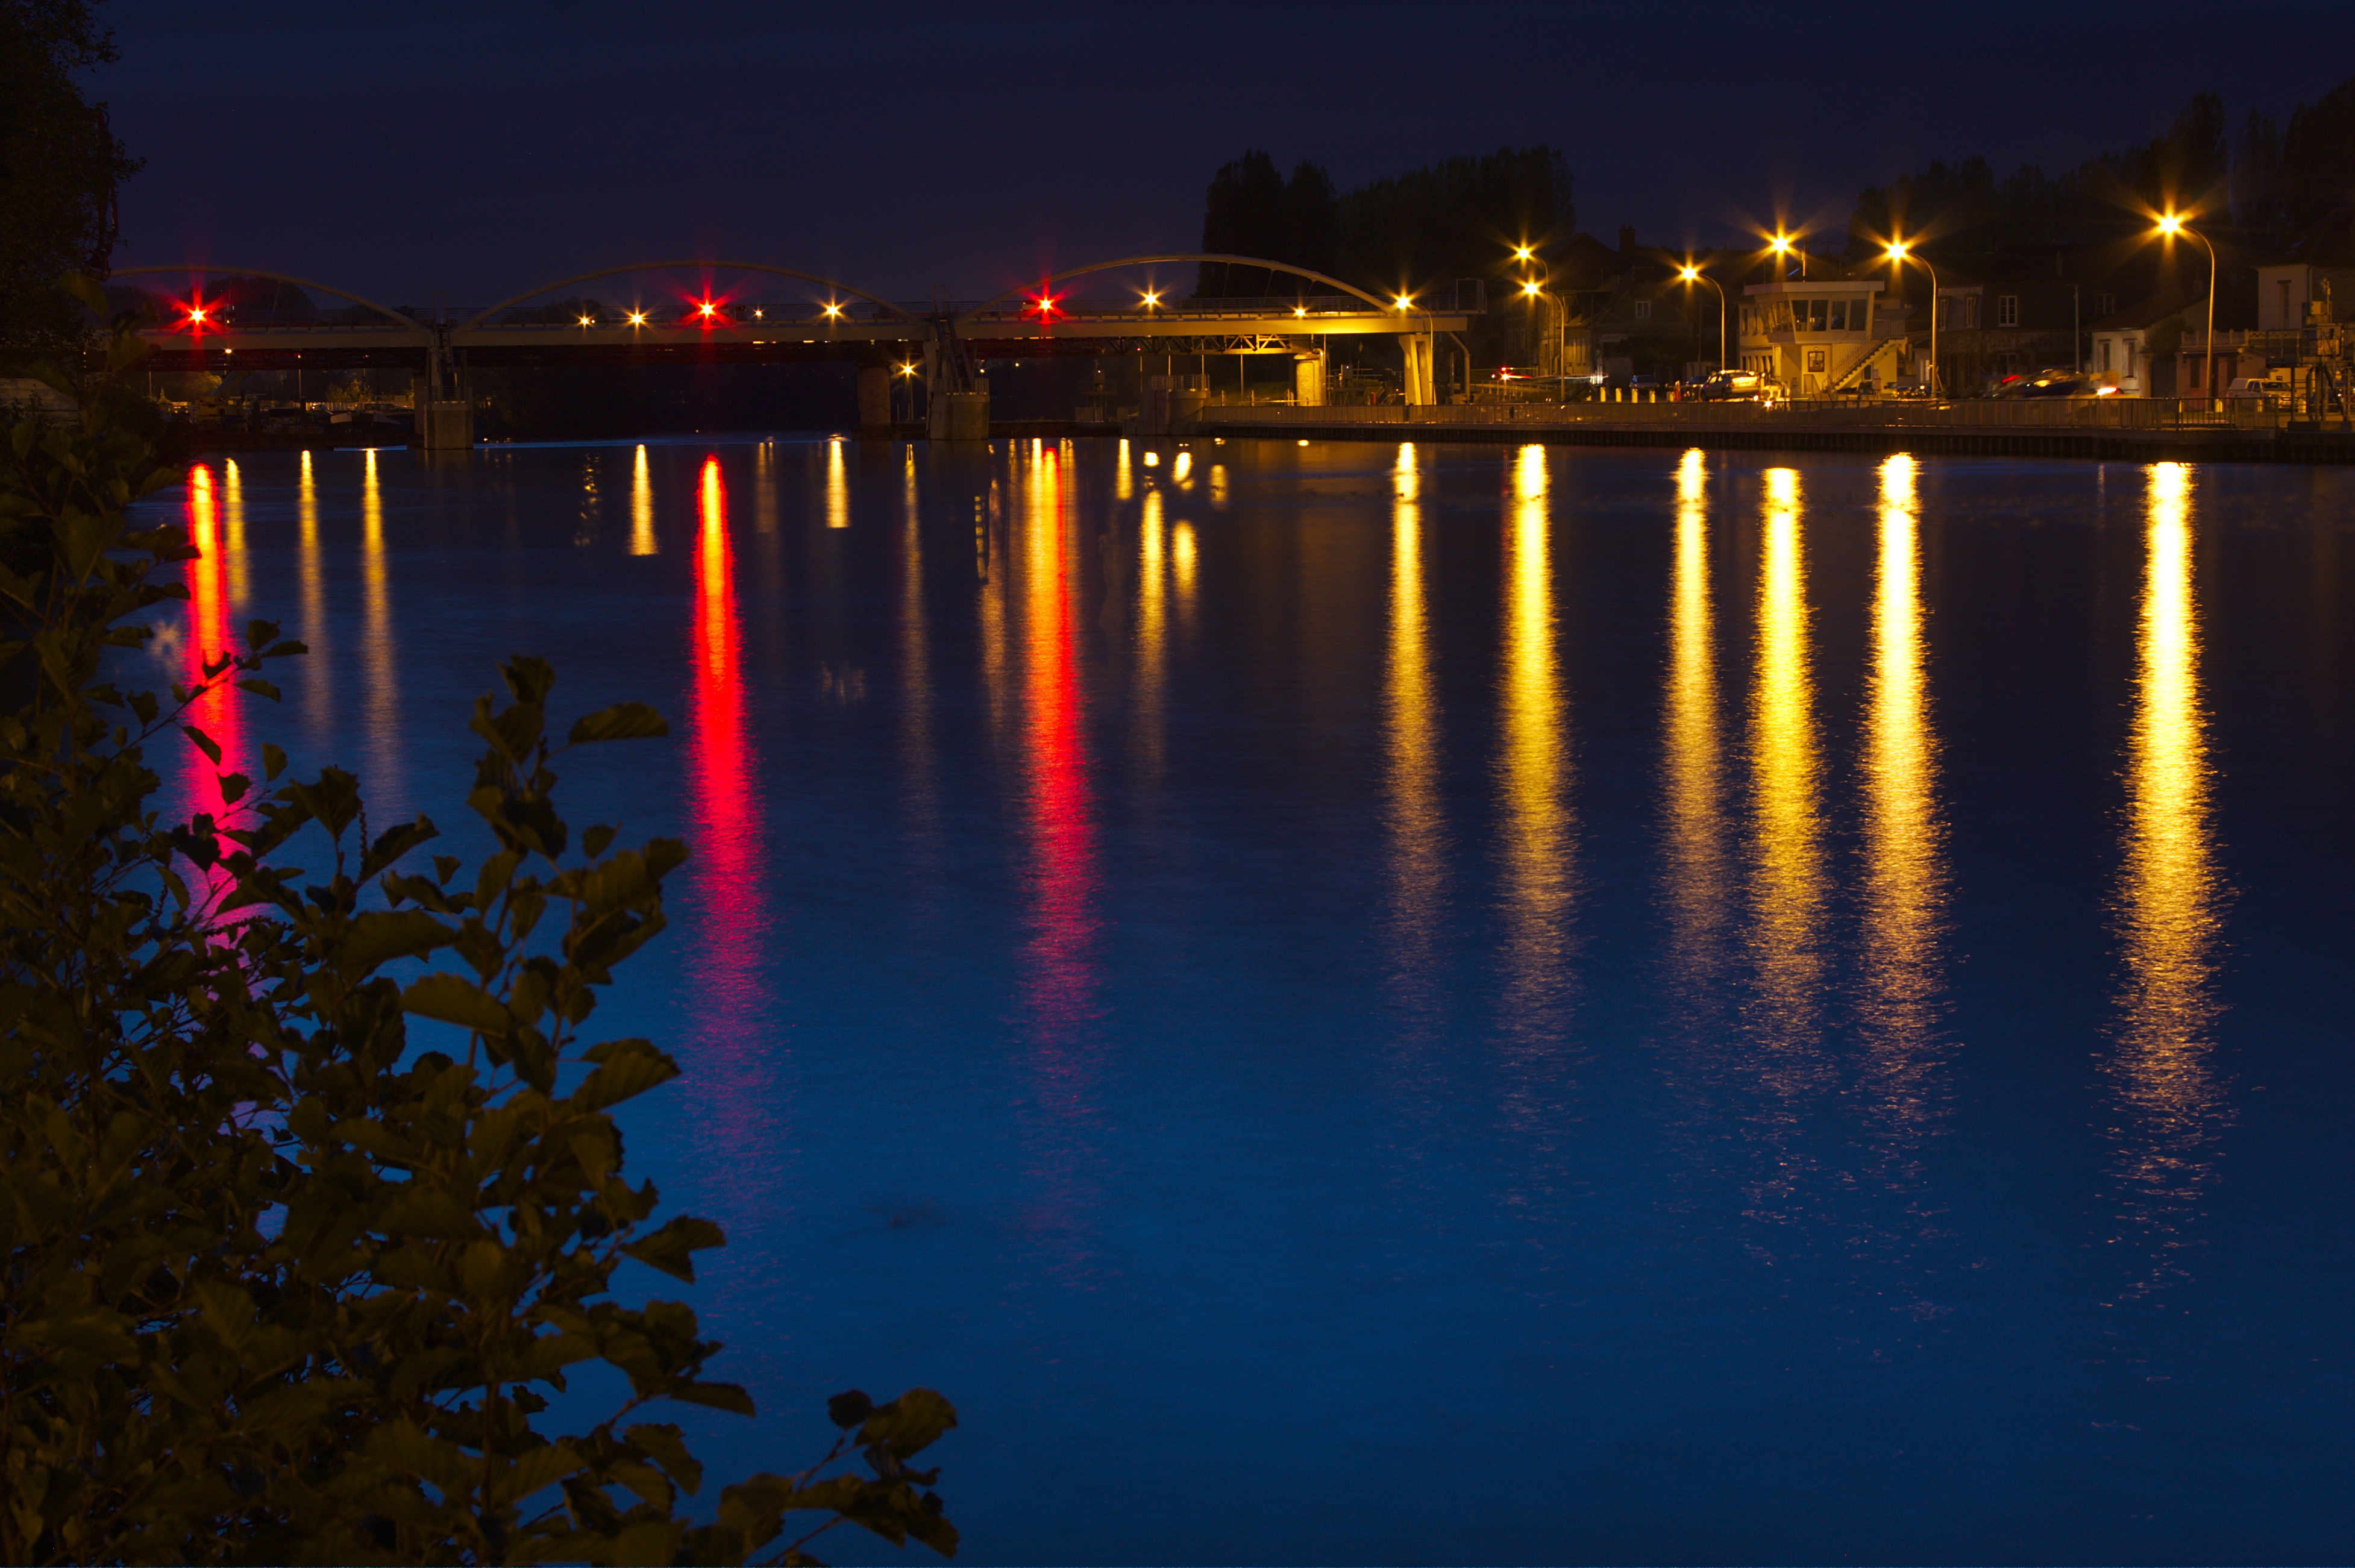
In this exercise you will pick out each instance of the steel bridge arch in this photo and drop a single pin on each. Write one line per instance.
(386, 310)
(1154, 260)
(656, 266)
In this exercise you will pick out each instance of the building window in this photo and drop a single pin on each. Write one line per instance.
(1817, 361)
(2007, 310)
(1643, 310)
(2288, 320)
(2103, 350)
(2104, 305)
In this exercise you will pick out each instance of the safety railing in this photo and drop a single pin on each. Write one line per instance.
(2124, 414)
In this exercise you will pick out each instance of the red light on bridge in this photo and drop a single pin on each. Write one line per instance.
(1044, 304)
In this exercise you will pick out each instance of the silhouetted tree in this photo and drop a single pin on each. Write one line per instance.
(60, 167)
(1456, 218)
(1960, 211)
(2317, 165)
(1251, 210)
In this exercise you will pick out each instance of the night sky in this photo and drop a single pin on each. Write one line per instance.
(477, 149)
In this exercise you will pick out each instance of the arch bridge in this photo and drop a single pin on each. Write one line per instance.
(944, 342)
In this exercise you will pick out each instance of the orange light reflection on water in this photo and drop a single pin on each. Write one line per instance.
(1418, 846)
(2169, 904)
(1533, 767)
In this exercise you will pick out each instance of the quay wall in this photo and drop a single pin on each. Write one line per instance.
(1962, 433)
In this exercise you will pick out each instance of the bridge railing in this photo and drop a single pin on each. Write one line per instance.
(1130, 307)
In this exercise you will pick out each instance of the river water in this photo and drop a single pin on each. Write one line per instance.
(1360, 1003)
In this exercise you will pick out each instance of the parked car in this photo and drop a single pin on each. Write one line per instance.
(2267, 387)
(1738, 387)
(2044, 384)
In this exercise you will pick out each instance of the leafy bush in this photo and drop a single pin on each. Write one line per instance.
(279, 1286)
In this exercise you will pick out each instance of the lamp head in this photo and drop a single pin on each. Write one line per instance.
(1404, 301)
(1899, 250)
(1530, 289)
(1520, 252)
(1780, 244)
(1688, 275)
(2169, 224)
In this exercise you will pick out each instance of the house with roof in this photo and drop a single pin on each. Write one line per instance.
(2134, 350)
(2009, 325)
(1819, 335)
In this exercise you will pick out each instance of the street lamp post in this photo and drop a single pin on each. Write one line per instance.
(2170, 226)
(1695, 275)
(1899, 252)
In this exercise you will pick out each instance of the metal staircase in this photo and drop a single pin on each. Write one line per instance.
(1886, 349)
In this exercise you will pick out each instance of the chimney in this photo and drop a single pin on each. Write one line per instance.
(1626, 239)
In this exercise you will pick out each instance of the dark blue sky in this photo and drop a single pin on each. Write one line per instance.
(477, 149)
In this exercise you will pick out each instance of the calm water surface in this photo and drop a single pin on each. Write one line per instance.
(1357, 1003)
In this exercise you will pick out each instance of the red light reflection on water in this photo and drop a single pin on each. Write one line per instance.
(1058, 976)
(723, 807)
(1058, 979)
(208, 631)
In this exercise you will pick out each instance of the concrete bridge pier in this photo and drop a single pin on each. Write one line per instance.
(1414, 349)
(440, 399)
(874, 399)
(1308, 380)
(444, 415)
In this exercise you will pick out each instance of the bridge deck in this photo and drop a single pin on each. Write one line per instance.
(989, 334)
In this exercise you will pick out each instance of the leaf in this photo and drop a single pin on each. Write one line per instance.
(714, 1396)
(623, 722)
(205, 743)
(662, 1444)
(405, 1448)
(846, 1410)
(909, 1423)
(453, 999)
(395, 842)
(233, 787)
(429, 1213)
(93, 1332)
(379, 936)
(261, 633)
(535, 1468)
(259, 686)
(672, 1249)
(623, 1075)
(273, 763)
(653, 1541)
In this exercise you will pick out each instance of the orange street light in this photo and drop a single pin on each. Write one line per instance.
(1692, 274)
(1901, 252)
(1152, 297)
(833, 311)
(2169, 226)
